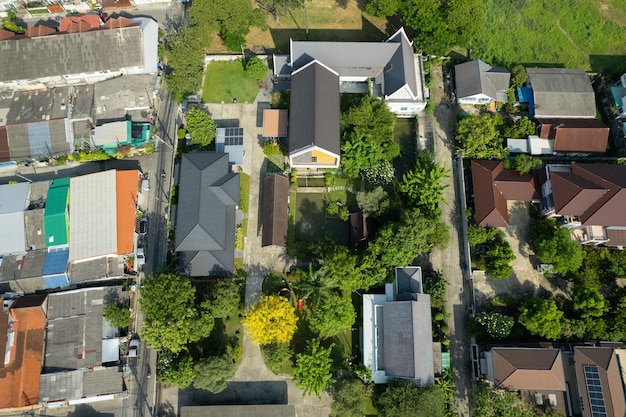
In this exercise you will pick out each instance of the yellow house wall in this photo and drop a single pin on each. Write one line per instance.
(323, 158)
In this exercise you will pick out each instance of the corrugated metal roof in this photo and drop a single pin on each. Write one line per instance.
(56, 215)
(560, 92)
(93, 215)
(13, 202)
(127, 183)
(56, 261)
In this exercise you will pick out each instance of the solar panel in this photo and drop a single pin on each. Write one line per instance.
(233, 136)
(594, 389)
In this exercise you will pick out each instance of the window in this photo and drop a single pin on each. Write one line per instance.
(404, 108)
(314, 159)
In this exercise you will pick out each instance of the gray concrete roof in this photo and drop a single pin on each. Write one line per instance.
(93, 213)
(13, 202)
(258, 410)
(408, 339)
(33, 226)
(42, 139)
(70, 53)
(314, 109)
(477, 77)
(83, 383)
(560, 92)
(75, 328)
(205, 229)
(112, 98)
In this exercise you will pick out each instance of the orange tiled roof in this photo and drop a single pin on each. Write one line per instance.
(126, 194)
(56, 8)
(75, 24)
(6, 34)
(119, 22)
(41, 30)
(19, 380)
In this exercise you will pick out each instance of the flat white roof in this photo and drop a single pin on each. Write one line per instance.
(372, 334)
(13, 202)
(93, 215)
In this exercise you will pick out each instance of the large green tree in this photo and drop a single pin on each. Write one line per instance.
(542, 317)
(213, 373)
(313, 371)
(200, 126)
(175, 369)
(173, 317)
(349, 397)
(520, 128)
(589, 303)
(479, 137)
(490, 402)
(404, 399)
(185, 61)
(423, 186)
(331, 315)
(117, 315)
(223, 299)
(375, 202)
(553, 244)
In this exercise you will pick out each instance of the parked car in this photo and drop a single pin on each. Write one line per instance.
(143, 226)
(133, 349)
(141, 257)
(145, 185)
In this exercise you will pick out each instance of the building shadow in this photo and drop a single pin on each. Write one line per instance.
(244, 393)
(608, 64)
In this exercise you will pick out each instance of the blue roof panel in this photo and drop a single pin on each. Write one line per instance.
(56, 261)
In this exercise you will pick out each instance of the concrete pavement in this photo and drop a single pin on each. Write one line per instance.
(449, 261)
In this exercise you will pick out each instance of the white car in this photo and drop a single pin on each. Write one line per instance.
(133, 349)
(141, 257)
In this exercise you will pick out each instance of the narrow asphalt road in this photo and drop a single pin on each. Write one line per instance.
(449, 260)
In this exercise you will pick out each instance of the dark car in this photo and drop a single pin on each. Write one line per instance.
(143, 226)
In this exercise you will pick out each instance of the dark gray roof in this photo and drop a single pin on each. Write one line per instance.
(82, 383)
(477, 77)
(275, 210)
(206, 213)
(39, 139)
(70, 53)
(24, 272)
(102, 381)
(75, 328)
(259, 410)
(113, 97)
(408, 339)
(314, 109)
(408, 281)
(400, 69)
(560, 92)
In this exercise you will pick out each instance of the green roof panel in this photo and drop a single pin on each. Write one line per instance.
(55, 218)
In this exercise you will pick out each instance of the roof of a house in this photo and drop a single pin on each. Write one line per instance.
(93, 212)
(43, 139)
(274, 123)
(19, 379)
(477, 77)
(599, 377)
(5, 154)
(115, 98)
(407, 332)
(275, 210)
(127, 184)
(560, 92)
(96, 269)
(81, 383)
(34, 228)
(575, 135)
(113, 133)
(596, 193)
(314, 109)
(13, 202)
(258, 410)
(47, 55)
(205, 228)
(39, 30)
(408, 280)
(528, 368)
(24, 272)
(55, 261)
(56, 214)
(79, 23)
(617, 237)
(358, 228)
(493, 186)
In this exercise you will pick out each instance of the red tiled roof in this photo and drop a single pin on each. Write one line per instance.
(116, 4)
(19, 380)
(575, 135)
(83, 23)
(6, 34)
(41, 30)
(605, 360)
(594, 192)
(56, 8)
(493, 186)
(119, 22)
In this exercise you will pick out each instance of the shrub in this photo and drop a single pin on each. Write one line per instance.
(116, 315)
(255, 68)
(429, 110)
(276, 354)
(492, 324)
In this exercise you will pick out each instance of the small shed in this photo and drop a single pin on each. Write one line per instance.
(275, 210)
(274, 123)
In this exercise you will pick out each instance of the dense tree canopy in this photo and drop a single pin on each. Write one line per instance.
(554, 245)
(117, 315)
(331, 315)
(489, 402)
(541, 317)
(349, 396)
(367, 136)
(176, 369)
(423, 186)
(255, 67)
(520, 128)
(479, 137)
(375, 202)
(200, 126)
(271, 320)
(519, 75)
(313, 371)
(491, 324)
(589, 303)
(406, 400)
(491, 250)
(223, 299)
(173, 319)
(213, 373)
(185, 61)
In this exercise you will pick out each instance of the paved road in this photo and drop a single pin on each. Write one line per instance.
(449, 261)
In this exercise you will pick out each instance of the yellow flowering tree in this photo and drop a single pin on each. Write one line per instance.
(272, 320)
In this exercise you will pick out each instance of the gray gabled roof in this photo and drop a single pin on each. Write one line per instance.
(408, 338)
(208, 196)
(315, 109)
(70, 53)
(400, 69)
(477, 77)
(560, 92)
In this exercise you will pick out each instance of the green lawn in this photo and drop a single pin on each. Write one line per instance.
(404, 135)
(311, 223)
(224, 81)
(575, 34)
(244, 191)
(345, 197)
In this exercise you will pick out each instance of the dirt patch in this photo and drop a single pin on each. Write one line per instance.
(525, 280)
(614, 14)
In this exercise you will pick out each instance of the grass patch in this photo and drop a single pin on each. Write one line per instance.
(38, 11)
(343, 348)
(291, 225)
(574, 35)
(238, 263)
(224, 81)
(346, 198)
(404, 135)
(244, 192)
(311, 223)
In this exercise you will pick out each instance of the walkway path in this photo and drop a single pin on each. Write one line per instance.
(449, 261)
